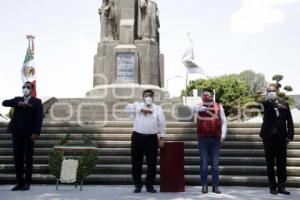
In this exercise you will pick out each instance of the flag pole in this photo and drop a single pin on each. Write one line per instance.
(187, 73)
(186, 87)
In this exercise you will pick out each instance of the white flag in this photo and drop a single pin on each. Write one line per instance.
(189, 61)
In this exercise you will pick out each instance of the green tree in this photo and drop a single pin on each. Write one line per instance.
(277, 78)
(283, 95)
(288, 88)
(230, 91)
(255, 82)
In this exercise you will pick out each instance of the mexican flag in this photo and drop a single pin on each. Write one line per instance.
(28, 68)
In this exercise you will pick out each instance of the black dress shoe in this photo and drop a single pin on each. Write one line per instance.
(273, 190)
(17, 187)
(26, 187)
(151, 190)
(204, 189)
(216, 190)
(282, 190)
(137, 190)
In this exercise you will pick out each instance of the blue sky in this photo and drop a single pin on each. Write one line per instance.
(229, 36)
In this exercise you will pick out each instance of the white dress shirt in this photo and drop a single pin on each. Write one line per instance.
(151, 123)
(26, 99)
(201, 108)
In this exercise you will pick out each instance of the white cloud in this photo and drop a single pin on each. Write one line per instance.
(255, 16)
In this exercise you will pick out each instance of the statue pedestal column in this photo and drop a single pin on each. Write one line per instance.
(127, 73)
(130, 61)
(149, 62)
(123, 91)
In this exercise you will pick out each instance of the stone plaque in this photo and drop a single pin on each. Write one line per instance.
(125, 66)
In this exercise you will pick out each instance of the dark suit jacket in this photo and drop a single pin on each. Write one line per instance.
(282, 125)
(25, 121)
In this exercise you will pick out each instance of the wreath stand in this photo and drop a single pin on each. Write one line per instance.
(85, 161)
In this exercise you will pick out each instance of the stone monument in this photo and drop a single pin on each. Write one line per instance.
(128, 59)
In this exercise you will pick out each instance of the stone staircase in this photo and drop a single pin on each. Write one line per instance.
(241, 164)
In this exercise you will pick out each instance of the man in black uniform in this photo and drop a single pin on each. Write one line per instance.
(25, 127)
(277, 131)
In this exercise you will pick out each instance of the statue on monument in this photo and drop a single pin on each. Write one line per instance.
(148, 20)
(108, 20)
(128, 55)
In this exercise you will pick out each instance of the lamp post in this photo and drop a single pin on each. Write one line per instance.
(173, 77)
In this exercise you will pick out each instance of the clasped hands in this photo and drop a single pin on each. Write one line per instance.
(146, 112)
(24, 105)
(34, 137)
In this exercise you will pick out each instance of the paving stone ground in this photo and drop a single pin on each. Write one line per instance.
(44, 192)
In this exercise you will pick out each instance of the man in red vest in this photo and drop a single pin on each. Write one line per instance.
(211, 131)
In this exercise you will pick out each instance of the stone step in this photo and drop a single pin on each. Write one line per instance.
(113, 179)
(126, 136)
(126, 169)
(188, 152)
(242, 159)
(234, 125)
(191, 160)
(107, 130)
(126, 144)
(47, 128)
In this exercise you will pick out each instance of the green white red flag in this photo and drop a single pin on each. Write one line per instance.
(28, 68)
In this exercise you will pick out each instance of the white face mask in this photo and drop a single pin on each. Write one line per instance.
(271, 95)
(26, 91)
(148, 101)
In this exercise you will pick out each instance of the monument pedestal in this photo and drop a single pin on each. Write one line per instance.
(124, 71)
(125, 91)
(128, 63)
(128, 59)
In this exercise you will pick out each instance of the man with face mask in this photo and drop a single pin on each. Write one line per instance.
(211, 131)
(277, 131)
(25, 127)
(148, 121)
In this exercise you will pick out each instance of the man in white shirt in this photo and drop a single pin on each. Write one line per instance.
(148, 121)
(211, 131)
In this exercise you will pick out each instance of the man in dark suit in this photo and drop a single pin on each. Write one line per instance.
(277, 131)
(25, 127)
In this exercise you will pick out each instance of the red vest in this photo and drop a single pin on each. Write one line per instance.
(209, 123)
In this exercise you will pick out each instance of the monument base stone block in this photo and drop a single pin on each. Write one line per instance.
(129, 92)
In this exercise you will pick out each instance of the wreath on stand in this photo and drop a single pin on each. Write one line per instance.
(86, 162)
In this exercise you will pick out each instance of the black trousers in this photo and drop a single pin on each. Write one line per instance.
(276, 149)
(23, 148)
(144, 145)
